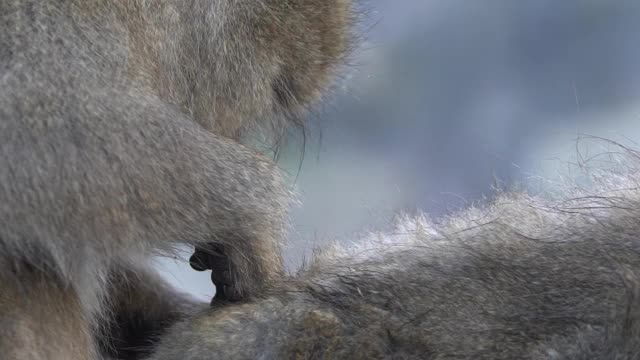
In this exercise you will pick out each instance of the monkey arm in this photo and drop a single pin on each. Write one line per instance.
(121, 176)
(137, 176)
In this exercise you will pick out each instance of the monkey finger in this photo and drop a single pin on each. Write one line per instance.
(198, 262)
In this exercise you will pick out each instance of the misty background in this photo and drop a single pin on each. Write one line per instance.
(446, 99)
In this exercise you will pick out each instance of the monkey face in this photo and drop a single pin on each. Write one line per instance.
(238, 68)
(271, 64)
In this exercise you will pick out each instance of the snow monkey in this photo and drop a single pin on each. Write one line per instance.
(123, 133)
(522, 277)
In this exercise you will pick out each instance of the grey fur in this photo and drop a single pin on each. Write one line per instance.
(524, 277)
(121, 125)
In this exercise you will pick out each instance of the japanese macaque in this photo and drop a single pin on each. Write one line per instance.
(123, 132)
(522, 277)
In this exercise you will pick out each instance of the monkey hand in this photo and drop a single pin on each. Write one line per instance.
(212, 257)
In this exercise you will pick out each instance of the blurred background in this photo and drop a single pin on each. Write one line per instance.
(447, 99)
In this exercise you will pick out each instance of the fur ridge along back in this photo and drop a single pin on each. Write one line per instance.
(522, 277)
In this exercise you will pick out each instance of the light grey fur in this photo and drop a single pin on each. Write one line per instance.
(523, 277)
(121, 125)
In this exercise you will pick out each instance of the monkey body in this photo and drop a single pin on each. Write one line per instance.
(121, 131)
(120, 136)
(521, 278)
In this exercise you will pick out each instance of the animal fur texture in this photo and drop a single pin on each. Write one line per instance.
(122, 126)
(522, 277)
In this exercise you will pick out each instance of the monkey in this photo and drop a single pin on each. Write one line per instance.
(526, 276)
(126, 128)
